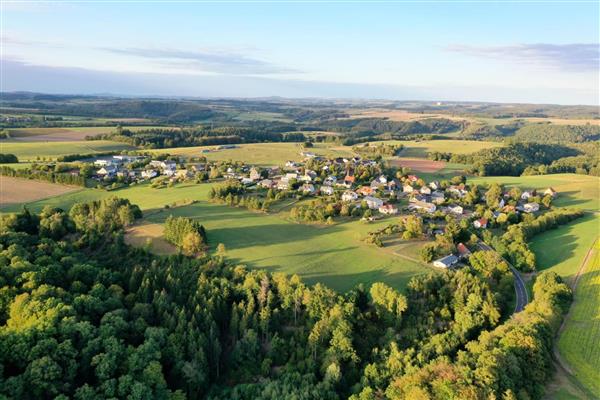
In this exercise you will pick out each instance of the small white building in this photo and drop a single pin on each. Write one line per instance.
(422, 206)
(349, 195)
(425, 190)
(407, 189)
(526, 195)
(446, 262)
(389, 209)
(149, 174)
(458, 210)
(326, 190)
(308, 188)
(373, 202)
(531, 207)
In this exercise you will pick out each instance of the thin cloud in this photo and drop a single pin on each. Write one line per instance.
(569, 57)
(206, 61)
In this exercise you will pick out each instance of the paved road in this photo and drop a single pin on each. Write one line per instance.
(520, 289)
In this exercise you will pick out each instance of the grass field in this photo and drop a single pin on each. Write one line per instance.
(259, 153)
(141, 234)
(16, 191)
(30, 151)
(67, 134)
(334, 255)
(578, 191)
(579, 342)
(419, 149)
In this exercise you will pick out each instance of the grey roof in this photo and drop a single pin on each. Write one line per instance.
(448, 260)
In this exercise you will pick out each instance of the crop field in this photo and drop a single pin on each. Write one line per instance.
(16, 191)
(68, 134)
(259, 153)
(31, 151)
(418, 164)
(334, 255)
(579, 342)
(578, 191)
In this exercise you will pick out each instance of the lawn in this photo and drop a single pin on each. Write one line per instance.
(30, 151)
(265, 154)
(578, 191)
(579, 342)
(334, 255)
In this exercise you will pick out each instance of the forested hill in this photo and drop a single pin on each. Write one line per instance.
(84, 316)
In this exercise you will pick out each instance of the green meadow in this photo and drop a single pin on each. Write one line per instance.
(420, 148)
(334, 255)
(264, 154)
(579, 342)
(30, 151)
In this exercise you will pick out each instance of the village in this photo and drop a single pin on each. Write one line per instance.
(372, 190)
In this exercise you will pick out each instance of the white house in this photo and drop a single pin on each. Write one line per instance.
(526, 195)
(446, 262)
(283, 184)
(266, 183)
(107, 171)
(102, 163)
(421, 205)
(349, 195)
(330, 180)
(373, 202)
(550, 192)
(435, 185)
(425, 190)
(531, 207)
(437, 197)
(254, 174)
(458, 210)
(407, 189)
(389, 209)
(149, 174)
(308, 188)
(326, 190)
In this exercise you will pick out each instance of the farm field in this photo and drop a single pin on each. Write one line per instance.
(30, 151)
(16, 191)
(579, 342)
(334, 255)
(418, 164)
(401, 115)
(578, 191)
(259, 153)
(563, 249)
(419, 149)
(67, 134)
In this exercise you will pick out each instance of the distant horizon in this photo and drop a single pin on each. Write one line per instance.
(488, 51)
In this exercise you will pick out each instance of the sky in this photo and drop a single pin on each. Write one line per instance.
(511, 51)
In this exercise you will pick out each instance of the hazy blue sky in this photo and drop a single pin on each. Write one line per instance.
(511, 51)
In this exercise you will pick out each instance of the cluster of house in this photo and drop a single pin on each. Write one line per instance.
(120, 166)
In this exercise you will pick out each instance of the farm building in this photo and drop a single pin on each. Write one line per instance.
(446, 262)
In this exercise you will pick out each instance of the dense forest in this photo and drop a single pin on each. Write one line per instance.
(84, 316)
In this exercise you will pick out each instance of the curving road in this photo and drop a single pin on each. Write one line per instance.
(520, 289)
